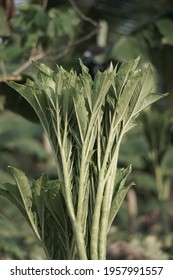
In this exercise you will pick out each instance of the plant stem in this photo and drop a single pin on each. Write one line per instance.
(99, 199)
(79, 238)
(159, 181)
(163, 193)
(106, 205)
(81, 190)
(103, 225)
(87, 148)
(164, 217)
(96, 219)
(77, 228)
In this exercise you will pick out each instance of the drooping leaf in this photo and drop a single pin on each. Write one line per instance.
(24, 188)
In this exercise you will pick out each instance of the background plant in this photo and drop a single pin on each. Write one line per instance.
(153, 165)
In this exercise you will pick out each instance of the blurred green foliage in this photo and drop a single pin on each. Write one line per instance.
(19, 138)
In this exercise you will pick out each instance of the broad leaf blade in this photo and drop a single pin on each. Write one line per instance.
(24, 187)
(124, 73)
(81, 114)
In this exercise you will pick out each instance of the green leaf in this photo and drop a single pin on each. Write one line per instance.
(24, 188)
(54, 199)
(5, 177)
(38, 201)
(145, 85)
(165, 27)
(81, 114)
(87, 83)
(129, 47)
(124, 74)
(102, 83)
(119, 193)
(55, 204)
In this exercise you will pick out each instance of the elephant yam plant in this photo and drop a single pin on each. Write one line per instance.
(85, 121)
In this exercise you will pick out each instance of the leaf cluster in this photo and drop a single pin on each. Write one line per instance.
(158, 132)
(36, 31)
(151, 144)
(34, 24)
(85, 121)
(41, 203)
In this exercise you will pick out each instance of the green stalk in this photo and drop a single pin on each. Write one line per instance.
(104, 224)
(87, 148)
(159, 181)
(164, 217)
(107, 199)
(99, 199)
(77, 229)
(96, 219)
(163, 198)
(81, 186)
(76, 225)
(163, 185)
(80, 243)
